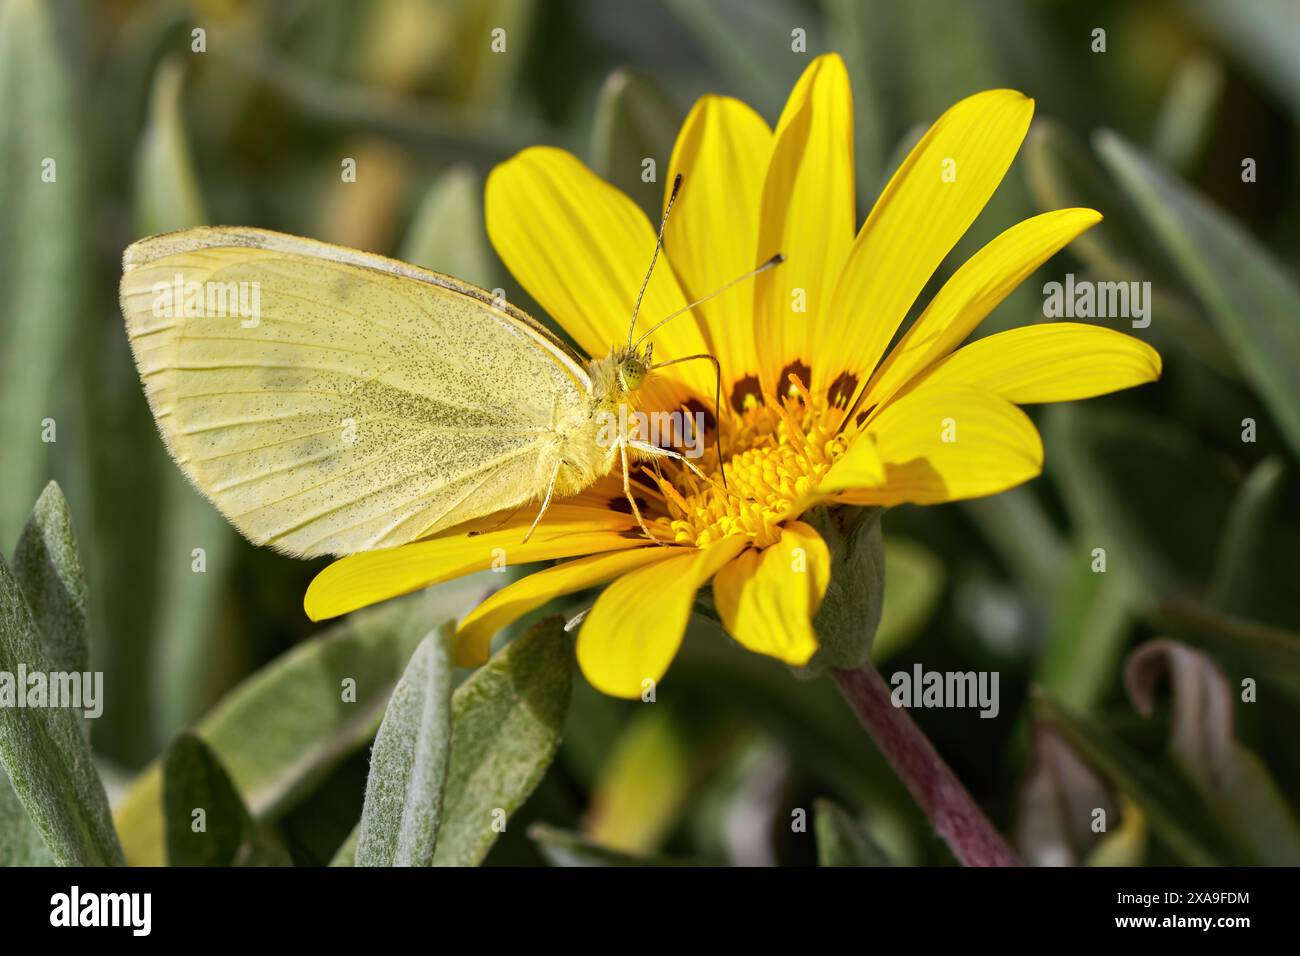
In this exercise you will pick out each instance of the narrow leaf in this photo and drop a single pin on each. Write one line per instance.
(1251, 298)
(324, 699)
(408, 767)
(47, 566)
(635, 121)
(43, 224)
(447, 233)
(206, 820)
(44, 751)
(506, 725)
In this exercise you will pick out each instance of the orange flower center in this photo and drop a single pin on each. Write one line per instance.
(776, 452)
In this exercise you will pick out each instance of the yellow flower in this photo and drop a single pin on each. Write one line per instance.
(814, 411)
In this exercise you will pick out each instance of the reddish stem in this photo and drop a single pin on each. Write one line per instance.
(956, 817)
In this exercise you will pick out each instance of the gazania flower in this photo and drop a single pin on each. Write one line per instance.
(814, 411)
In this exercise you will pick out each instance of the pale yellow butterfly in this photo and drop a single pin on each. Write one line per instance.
(329, 401)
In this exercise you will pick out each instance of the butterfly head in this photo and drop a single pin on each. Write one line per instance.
(633, 367)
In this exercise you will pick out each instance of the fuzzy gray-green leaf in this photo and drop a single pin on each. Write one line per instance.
(408, 766)
(324, 699)
(48, 568)
(506, 725)
(45, 753)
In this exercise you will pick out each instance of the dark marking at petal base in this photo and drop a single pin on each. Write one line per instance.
(623, 506)
(742, 390)
(695, 407)
(799, 370)
(842, 389)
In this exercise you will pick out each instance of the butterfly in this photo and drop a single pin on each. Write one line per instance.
(330, 401)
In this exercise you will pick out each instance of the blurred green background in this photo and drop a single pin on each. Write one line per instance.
(1200, 527)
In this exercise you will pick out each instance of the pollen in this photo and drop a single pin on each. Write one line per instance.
(777, 451)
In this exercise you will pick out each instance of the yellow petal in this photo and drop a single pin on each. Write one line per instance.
(807, 213)
(767, 599)
(722, 154)
(859, 467)
(974, 291)
(926, 207)
(1051, 362)
(581, 249)
(946, 444)
(373, 576)
(474, 636)
(636, 625)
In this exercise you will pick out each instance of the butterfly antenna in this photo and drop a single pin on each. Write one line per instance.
(772, 263)
(659, 242)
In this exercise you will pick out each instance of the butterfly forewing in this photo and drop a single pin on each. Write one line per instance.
(329, 401)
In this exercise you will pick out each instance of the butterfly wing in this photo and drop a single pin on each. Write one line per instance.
(330, 401)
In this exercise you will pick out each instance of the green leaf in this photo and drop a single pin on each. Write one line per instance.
(168, 197)
(324, 699)
(842, 841)
(1232, 780)
(565, 848)
(864, 37)
(167, 194)
(750, 41)
(47, 566)
(1091, 616)
(43, 229)
(193, 781)
(1171, 806)
(1062, 173)
(447, 232)
(440, 131)
(408, 766)
(1144, 489)
(45, 753)
(914, 579)
(1018, 528)
(635, 121)
(20, 842)
(1243, 563)
(1262, 33)
(1188, 111)
(1252, 300)
(506, 724)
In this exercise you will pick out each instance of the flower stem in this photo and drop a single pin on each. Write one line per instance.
(956, 817)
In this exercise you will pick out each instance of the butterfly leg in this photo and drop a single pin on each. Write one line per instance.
(546, 502)
(654, 451)
(631, 499)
